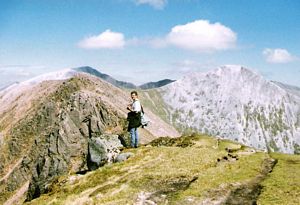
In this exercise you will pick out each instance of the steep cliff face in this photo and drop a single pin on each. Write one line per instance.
(235, 103)
(48, 129)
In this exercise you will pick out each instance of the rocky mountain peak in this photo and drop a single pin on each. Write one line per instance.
(236, 103)
(222, 74)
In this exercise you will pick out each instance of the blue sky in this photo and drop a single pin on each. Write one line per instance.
(147, 40)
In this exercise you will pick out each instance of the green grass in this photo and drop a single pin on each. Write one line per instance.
(283, 184)
(153, 100)
(172, 173)
(216, 181)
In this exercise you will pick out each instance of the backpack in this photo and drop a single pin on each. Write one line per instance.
(144, 119)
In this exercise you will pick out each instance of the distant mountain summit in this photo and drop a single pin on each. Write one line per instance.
(70, 72)
(122, 84)
(92, 71)
(236, 103)
(156, 84)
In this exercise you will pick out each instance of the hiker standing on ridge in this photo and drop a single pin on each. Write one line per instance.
(134, 118)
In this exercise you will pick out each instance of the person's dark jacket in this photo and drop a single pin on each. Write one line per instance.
(134, 119)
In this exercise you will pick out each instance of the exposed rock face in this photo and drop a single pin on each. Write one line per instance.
(103, 149)
(70, 128)
(236, 103)
(58, 127)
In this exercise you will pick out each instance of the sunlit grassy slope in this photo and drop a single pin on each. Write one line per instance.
(177, 171)
(152, 98)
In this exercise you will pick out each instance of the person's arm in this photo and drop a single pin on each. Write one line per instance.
(129, 107)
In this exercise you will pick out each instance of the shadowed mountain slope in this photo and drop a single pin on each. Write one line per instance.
(157, 84)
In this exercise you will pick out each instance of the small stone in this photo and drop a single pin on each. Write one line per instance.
(123, 156)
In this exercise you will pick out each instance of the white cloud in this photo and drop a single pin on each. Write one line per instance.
(277, 55)
(106, 40)
(202, 36)
(199, 36)
(157, 4)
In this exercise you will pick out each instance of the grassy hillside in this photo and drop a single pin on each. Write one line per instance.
(188, 170)
(154, 101)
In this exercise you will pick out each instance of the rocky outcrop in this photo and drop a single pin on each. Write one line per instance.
(102, 150)
(67, 131)
(54, 128)
(234, 103)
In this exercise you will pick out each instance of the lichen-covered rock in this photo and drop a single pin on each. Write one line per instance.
(103, 149)
(123, 156)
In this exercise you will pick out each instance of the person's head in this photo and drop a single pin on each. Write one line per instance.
(134, 95)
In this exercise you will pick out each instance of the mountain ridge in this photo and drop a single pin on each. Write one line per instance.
(235, 96)
(48, 129)
(122, 84)
(156, 84)
(54, 125)
(108, 78)
(70, 72)
(234, 103)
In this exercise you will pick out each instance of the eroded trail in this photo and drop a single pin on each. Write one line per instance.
(249, 192)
